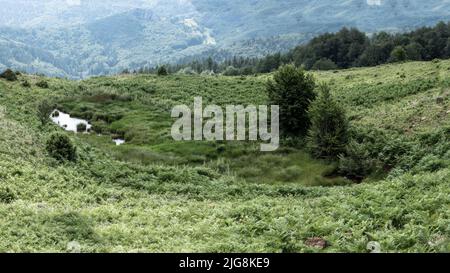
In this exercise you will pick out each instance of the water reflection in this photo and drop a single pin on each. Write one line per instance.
(76, 125)
(119, 141)
(70, 124)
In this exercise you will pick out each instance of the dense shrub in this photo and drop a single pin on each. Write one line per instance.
(60, 147)
(293, 90)
(248, 70)
(26, 84)
(324, 64)
(100, 127)
(328, 134)
(42, 84)
(103, 97)
(81, 127)
(398, 54)
(431, 163)
(45, 108)
(356, 164)
(379, 151)
(231, 71)
(162, 71)
(106, 117)
(9, 75)
(6, 195)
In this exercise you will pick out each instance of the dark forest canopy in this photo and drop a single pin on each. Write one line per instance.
(345, 49)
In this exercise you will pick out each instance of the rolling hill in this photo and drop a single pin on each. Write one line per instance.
(155, 195)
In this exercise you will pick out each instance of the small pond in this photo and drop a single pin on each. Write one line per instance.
(119, 141)
(75, 125)
(70, 124)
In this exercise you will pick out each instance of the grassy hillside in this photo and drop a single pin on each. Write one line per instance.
(156, 195)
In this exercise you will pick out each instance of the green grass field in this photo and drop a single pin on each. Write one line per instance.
(157, 195)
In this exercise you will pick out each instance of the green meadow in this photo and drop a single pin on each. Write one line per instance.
(154, 194)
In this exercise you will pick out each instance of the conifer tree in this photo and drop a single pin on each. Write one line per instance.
(328, 134)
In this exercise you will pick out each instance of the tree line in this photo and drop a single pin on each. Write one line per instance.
(346, 48)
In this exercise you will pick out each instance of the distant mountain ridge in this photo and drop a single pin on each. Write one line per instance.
(80, 38)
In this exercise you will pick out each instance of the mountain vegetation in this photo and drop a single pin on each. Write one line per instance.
(364, 157)
(390, 186)
(344, 49)
(73, 38)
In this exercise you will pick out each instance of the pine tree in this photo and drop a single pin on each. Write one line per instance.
(162, 71)
(328, 134)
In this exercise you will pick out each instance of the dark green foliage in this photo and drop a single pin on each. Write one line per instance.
(376, 149)
(379, 151)
(9, 75)
(398, 54)
(293, 90)
(324, 64)
(447, 49)
(7, 196)
(45, 108)
(42, 84)
(349, 48)
(356, 164)
(431, 163)
(60, 147)
(414, 51)
(162, 71)
(344, 49)
(328, 134)
(229, 67)
(26, 84)
(269, 63)
(107, 98)
(81, 127)
(231, 71)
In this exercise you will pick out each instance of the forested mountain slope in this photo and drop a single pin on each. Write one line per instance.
(79, 38)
